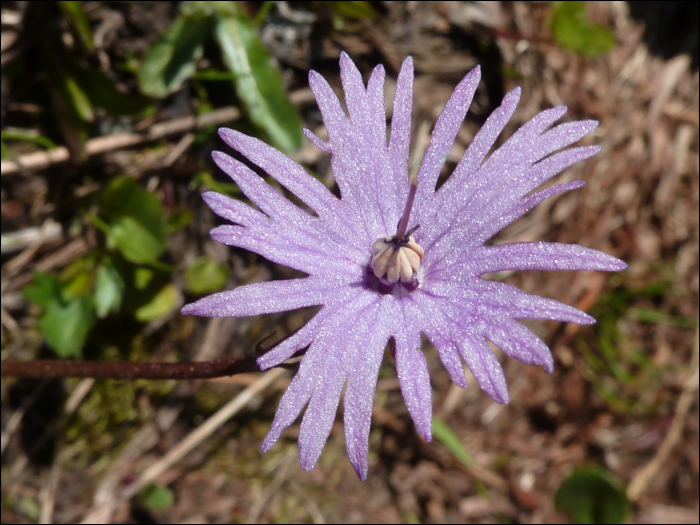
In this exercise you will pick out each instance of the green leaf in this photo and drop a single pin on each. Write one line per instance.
(205, 276)
(205, 179)
(44, 289)
(78, 19)
(143, 277)
(354, 10)
(172, 59)
(572, 30)
(28, 136)
(156, 497)
(65, 327)
(178, 219)
(137, 226)
(214, 75)
(30, 508)
(102, 93)
(258, 81)
(72, 92)
(136, 240)
(160, 306)
(64, 323)
(592, 495)
(444, 435)
(71, 106)
(109, 289)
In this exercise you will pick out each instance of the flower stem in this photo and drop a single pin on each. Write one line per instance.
(52, 368)
(129, 370)
(403, 224)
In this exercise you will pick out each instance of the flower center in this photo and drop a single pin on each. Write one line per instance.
(398, 257)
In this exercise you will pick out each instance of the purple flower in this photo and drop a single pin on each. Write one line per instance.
(393, 258)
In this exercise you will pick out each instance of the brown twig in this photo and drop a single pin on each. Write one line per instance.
(42, 159)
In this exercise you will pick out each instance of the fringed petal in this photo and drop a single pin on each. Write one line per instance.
(263, 298)
(549, 256)
(362, 384)
(400, 135)
(517, 341)
(323, 358)
(485, 368)
(443, 136)
(412, 370)
(294, 250)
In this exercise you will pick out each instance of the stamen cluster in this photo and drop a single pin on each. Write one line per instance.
(396, 258)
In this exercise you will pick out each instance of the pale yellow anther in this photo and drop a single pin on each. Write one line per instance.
(396, 260)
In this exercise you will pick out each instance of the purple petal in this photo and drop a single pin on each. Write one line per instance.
(265, 196)
(333, 115)
(545, 169)
(521, 207)
(492, 300)
(485, 367)
(517, 341)
(362, 384)
(375, 102)
(480, 146)
(545, 256)
(352, 300)
(502, 180)
(263, 298)
(303, 337)
(444, 134)
(324, 146)
(297, 394)
(293, 177)
(434, 325)
(323, 356)
(522, 305)
(508, 193)
(234, 210)
(414, 378)
(360, 161)
(294, 250)
(400, 135)
(354, 90)
(320, 415)
(323, 406)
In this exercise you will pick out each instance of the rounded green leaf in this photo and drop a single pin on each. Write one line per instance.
(137, 225)
(592, 495)
(160, 306)
(205, 276)
(109, 288)
(44, 289)
(572, 30)
(156, 497)
(65, 326)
